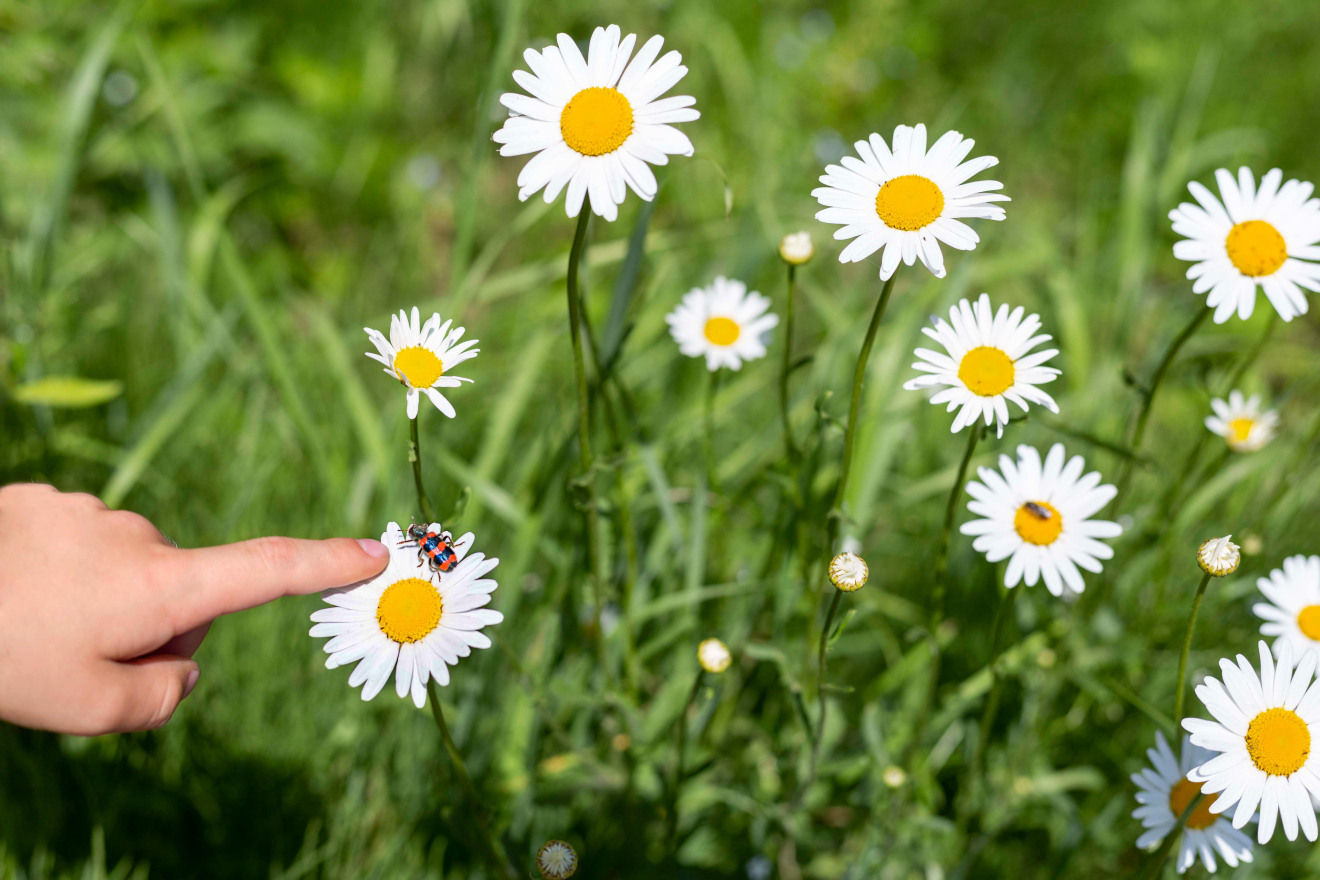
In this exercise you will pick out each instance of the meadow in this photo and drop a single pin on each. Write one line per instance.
(203, 203)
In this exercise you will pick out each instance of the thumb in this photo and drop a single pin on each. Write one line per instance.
(212, 581)
(144, 693)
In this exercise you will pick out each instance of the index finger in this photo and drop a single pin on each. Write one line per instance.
(212, 581)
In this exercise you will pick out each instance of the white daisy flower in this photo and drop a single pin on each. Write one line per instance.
(1292, 612)
(1038, 517)
(1219, 557)
(988, 363)
(1241, 423)
(408, 618)
(723, 323)
(595, 123)
(420, 356)
(1264, 237)
(907, 200)
(1263, 728)
(556, 860)
(1165, 791)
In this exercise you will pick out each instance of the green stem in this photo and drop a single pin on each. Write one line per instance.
(585, 460)
(415, 456)
(680, 745)
(785, 364)
(1002, 615)
(492, 847)
(1186, 649)
(850, 432)
(1148, 395)
(821, 703)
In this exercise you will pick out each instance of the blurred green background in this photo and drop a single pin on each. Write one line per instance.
(203, 202)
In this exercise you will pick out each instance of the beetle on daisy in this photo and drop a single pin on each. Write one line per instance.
(409, 621)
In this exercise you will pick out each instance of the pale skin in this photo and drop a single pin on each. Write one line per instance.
(100, 615)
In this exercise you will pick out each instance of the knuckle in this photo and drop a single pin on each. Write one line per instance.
(275, 554)
(86, 500)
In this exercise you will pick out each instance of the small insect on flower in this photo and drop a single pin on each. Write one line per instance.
(1218, 556)
(849, 572)
(1038, 516)
(556, 860)
(714, 656)
(1254, 238)
(407, 623)
(1240, 421)
(435, 547)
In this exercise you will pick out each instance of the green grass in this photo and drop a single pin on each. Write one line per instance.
(205, 202)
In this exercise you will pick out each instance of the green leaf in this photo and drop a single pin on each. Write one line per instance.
(69, 391)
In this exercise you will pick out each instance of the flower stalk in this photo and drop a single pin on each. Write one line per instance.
(1186, 649)
(786, 365)
(415, 457)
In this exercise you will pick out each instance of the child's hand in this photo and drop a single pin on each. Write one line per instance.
(100, 615)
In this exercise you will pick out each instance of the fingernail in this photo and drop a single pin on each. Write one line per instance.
(191, 682)
(373, 548)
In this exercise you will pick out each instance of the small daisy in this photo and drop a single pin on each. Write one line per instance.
(722, 322)
(796, 248)
(406, 619)
(1165, 791)
(1292, 613)
(1038, 517)
(1263, 729)
(595, 123)
(1241, 423)
(556, 860)
(907, 200)
(419, 356)
(1262, 237)
(714, 656)
(987, 364)
(1219, 557)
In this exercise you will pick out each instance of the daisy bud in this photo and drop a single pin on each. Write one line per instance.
(894, 777)
(848, 572)
(556, 860)
(796, 248)
(1219, 556)
(714, 656)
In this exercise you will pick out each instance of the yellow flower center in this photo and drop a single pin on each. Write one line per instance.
(418, 366)
(1308, 621)
(1278, 741)
(409, 610)
(1181, 795)
(722, 331)
(596, 121)
(986, 371)
(1256, 248)
(909, 202)
(1239, 430)
(1038, 522)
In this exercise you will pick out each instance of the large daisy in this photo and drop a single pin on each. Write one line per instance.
(1038, 517)
(1165, 792)
(723, 323)
(1264, 238)
(594, 123)
(1263, 728)
(421, 355)
(908, 199)
(409, 620)
(987, 363)
(1292, 612)
(1240, 421)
